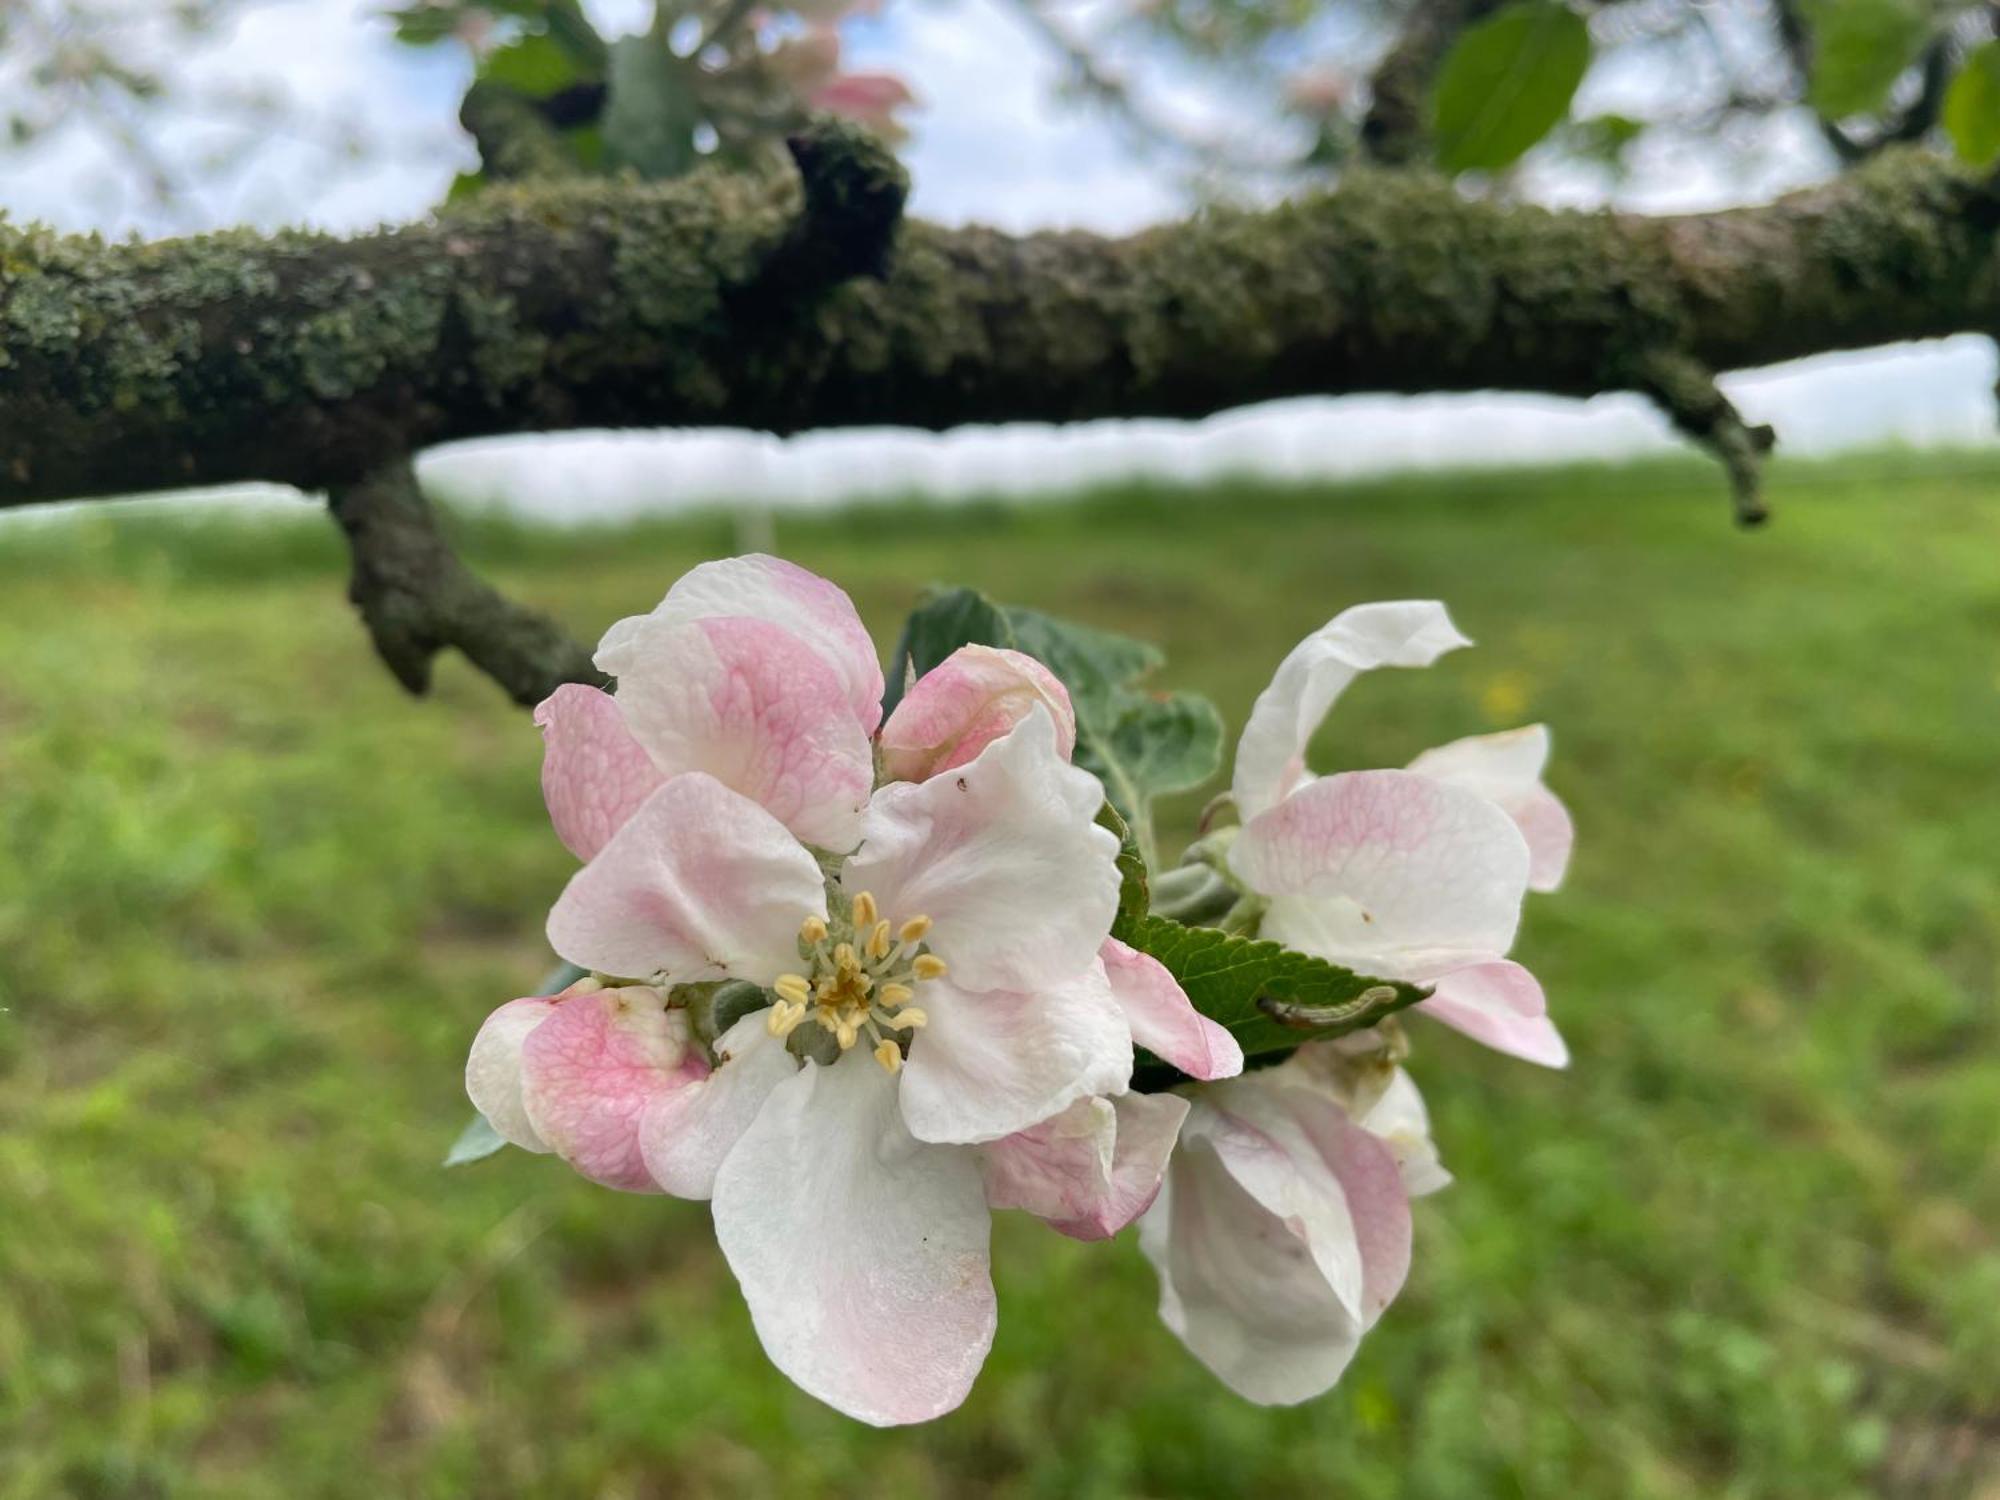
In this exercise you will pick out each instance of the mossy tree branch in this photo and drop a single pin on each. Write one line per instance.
(417, 598)
(718, 300)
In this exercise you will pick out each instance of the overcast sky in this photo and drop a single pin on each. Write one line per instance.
(994, 141)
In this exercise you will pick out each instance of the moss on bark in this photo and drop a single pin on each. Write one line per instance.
(713, 300)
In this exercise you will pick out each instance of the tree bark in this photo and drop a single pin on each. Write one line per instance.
(735, 302)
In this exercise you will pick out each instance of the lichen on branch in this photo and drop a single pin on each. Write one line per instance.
(789, 301)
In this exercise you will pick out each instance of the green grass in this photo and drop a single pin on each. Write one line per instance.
(254, 902)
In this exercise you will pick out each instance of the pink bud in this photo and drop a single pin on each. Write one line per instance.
(966, 702)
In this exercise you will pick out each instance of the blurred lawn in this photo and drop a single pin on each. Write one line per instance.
(254, 902)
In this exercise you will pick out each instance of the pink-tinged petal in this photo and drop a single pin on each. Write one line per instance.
(684, 1135)
(1508, 768)
(700, 883)
(594, 774)
(1501, 1004)
(861, 1251)
(1092, 1169)
(992, 1062)
(1270, 758)
(493, 1069)
(763, 588)
(1003, 856)
(1162, 1019)
(872, 98)
(752, 705)
(966, 702)
(1279, 1247)
(1387, 872)
(589, 1071)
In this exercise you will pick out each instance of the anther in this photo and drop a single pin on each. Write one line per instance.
(844, 956)
(793, 987)
(893, 994)
(910, 1016)
(928, 966)
(812, 931)
(864, 911)
(913, 930)
(890, 1056)
(878, 941)
(784, 1018)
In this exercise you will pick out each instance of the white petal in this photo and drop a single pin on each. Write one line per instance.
(1246, 1232)
(766, 588)
(1508, 769)
(1002, 855)
(1387, 872)
(757, 708)
(1401, 1122)
(699, 883)
(1501, 1004)
(861, 1251)
(685, 1135)
(1271, 755)
(992, 1062)
(1092, 1169)
(493, 1069)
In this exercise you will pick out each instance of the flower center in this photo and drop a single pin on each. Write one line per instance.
(860, 978)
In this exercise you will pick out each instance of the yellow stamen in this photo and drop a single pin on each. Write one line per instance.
(845, 1034)
(793, 987)
(844, 957)
(864, 911)
(896, 994)
(878, 941)
(928, 966)
(812, 931)
(890, 1056)
(910, 1016)
(784, 1018)
(913, 930)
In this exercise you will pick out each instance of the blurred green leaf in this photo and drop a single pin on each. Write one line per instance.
(1604, 139)
(1860, 48)
(651, 111)
(536, 65)
(1972, 106)
(1227, 975)
(1506, 83)
(476, 1142)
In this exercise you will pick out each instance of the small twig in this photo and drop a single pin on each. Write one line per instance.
(1686, 391)
(416, 597)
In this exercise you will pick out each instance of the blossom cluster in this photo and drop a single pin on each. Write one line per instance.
(852, 980)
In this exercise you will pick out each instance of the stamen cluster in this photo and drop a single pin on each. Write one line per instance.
(859, 981)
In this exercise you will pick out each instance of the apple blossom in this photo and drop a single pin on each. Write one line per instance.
(1282, 1231)
(954, 930)
(1417, 874)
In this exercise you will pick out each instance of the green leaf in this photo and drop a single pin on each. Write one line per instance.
(536, 65)
(476, 1142)
(650, 111)
(1248, 984)
(1972, 106)
(936, 628)
(1506, 83)
(1140, 744)
(1135, 896)
(1860, 48)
